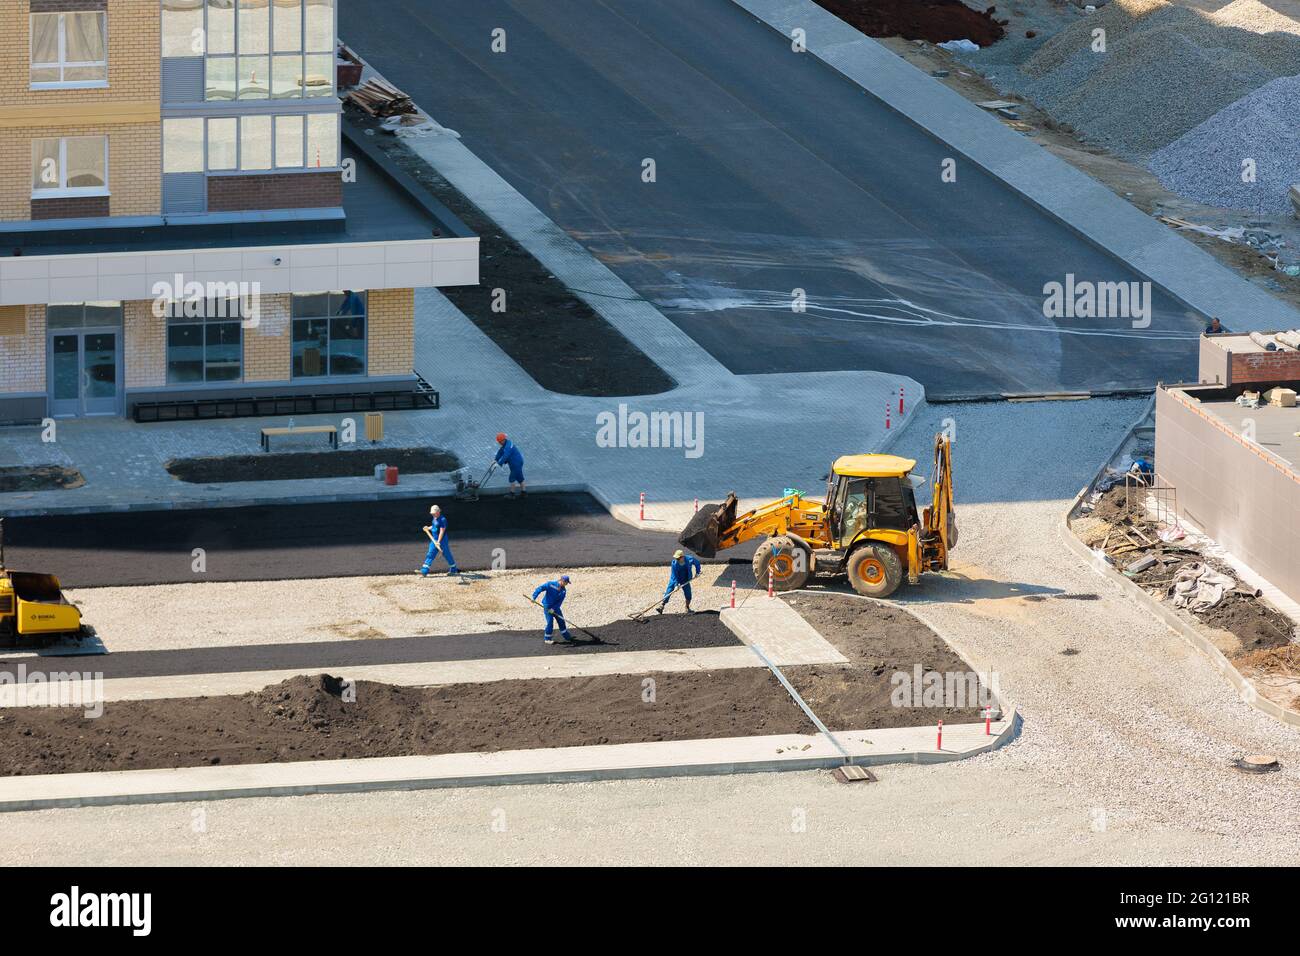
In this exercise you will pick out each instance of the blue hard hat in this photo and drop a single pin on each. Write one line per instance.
(564, 578)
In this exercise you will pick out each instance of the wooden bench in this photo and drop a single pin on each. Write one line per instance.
(328, 430)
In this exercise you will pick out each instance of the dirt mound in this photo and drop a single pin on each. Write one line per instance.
(39, 478)
(935, 20)
(322, 718)
(301, 465)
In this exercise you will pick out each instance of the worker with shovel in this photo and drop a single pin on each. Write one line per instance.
(681, 569)
(436, 529)
(510, 456)
(552, 597)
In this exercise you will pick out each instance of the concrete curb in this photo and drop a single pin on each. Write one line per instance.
(1082, 204)
(1169, 616)
(762, 754)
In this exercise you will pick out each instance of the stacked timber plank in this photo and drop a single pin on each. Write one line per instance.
(381, 99)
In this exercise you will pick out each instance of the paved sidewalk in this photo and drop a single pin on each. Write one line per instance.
(724, 755)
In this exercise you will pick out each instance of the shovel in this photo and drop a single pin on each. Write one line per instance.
(594, 638)
(639, 616)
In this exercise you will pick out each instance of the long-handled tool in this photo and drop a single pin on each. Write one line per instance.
(639, 616)
(567, 621)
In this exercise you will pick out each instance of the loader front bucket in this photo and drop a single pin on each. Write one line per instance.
(702, 533)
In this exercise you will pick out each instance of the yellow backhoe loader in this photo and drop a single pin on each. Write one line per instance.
(33, 609)
(867, 528)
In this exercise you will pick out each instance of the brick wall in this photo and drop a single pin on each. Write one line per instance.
(275, 191)
(391, 332)
(134, 168)
(22, 355)
(145, 345)
(135, 144)
(134, 55)
(1264, 366)
(266, 346)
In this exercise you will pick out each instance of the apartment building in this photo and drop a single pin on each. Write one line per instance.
(185, 215)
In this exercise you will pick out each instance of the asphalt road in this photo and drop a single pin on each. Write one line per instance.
(672, 631)
(773, 173)
(325, 540)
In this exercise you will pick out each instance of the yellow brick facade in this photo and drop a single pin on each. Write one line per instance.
(391, 332)
(134, 170)
(22, 356)
(267, 354)
(127, 111)
(145, 345)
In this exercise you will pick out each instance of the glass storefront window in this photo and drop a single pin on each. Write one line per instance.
(329, 334)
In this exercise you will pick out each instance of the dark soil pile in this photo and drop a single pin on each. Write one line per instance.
(935, 20)
(879, 641)
(39, 478)
(311, 718)
(271, 466)
(584, 354)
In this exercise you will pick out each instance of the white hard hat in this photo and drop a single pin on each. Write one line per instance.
(434, 510)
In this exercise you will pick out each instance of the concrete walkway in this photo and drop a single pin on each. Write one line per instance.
(725, 755)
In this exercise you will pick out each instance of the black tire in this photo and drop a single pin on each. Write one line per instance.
(789, 560)
(875, 571)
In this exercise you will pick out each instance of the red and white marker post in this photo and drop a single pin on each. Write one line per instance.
(938, 743)
(771, 591)
(988, 721)
(643, 506)
(900, 400)
(697, 504)
(733, 594)
(886, 418)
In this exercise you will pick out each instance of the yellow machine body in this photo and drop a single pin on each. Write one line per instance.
(33, 606)
(868, 527)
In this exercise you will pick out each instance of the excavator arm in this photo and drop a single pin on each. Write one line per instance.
(720, 528)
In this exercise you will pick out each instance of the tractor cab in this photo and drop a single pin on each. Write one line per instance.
(868, 493)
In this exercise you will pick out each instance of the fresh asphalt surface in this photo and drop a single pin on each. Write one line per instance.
(774, 173)
(672, 631)
(327, 540)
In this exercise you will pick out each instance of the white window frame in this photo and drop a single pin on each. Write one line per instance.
(239, 169)
(63, 65)
(63, 190)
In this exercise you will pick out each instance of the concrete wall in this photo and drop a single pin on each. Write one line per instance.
(1236, 491)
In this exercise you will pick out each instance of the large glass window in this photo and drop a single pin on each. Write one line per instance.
(255, 142)
(223, 143)
(322, 140)
(69, 49)
(83, 315)
(70, 166)
(182, 145)
(288, 141)
(244, 143)
(182, 28)
(256, 48)
(207, 347)
(329, 334)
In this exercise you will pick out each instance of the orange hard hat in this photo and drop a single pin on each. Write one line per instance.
(501, 436)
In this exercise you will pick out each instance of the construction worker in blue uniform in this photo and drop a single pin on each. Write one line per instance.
(510, 456)
(552, 597)
(681, 569)
(439, 543)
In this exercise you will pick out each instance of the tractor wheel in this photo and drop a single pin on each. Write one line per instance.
(875, 571)
(788, 560)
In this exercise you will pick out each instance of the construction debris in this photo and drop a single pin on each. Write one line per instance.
(1164, 561)
(381, 99)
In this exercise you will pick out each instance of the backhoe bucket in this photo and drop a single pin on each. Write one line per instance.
(701, 535)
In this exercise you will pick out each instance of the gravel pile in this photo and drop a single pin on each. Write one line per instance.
(1204, 164)
(1165, 69)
